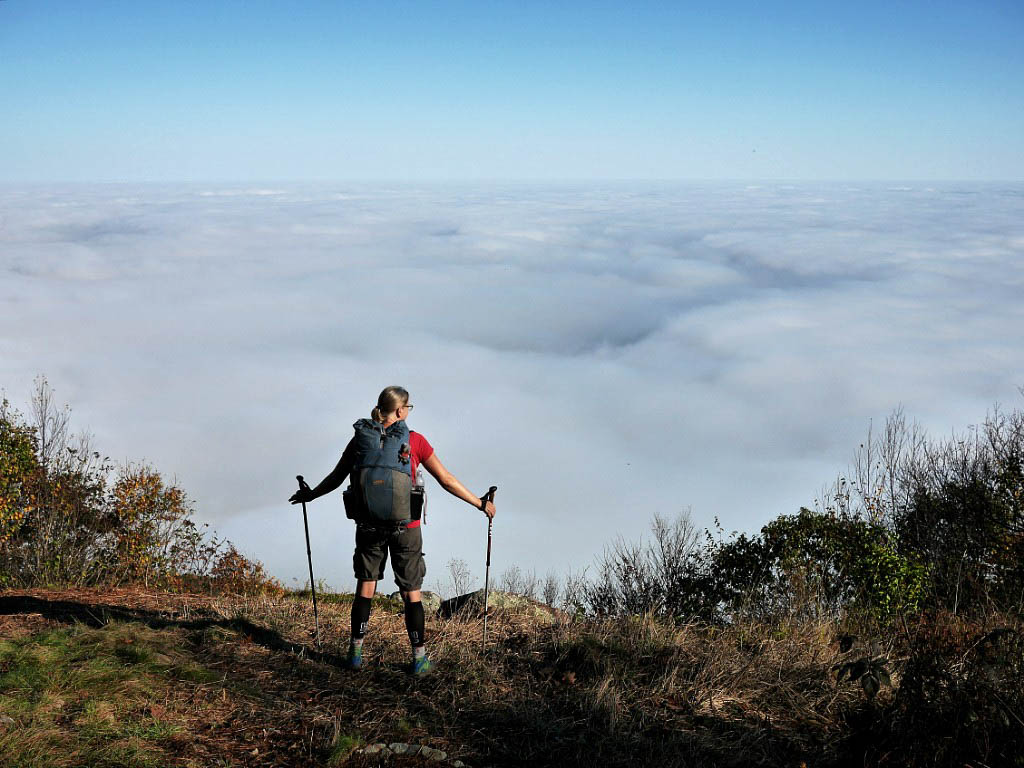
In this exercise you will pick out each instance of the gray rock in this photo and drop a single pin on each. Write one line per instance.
(431, 601)
(398, 748)
(473, 603)
(458, 764)
(5, 721)
(433, 754)
(373, 749)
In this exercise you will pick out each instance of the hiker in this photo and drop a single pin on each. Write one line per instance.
(382, 459)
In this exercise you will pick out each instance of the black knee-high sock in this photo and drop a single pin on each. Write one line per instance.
(414, 623)
(360, 616)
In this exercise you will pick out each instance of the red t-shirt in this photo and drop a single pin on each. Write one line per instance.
(421, 450)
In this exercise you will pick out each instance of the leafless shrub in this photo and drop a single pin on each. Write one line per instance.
(644, 577)
(551, 588)
(574, 593)
(518, 582)
(459, 576)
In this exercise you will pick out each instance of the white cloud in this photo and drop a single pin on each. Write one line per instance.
(601, 353)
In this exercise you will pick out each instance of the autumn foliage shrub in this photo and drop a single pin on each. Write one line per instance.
(234, 573)
(17, 466)
(71, 517)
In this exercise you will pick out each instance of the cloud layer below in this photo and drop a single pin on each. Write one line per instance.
(602, 353)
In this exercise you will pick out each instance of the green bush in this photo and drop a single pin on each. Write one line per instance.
(956, 504)
(922, 525)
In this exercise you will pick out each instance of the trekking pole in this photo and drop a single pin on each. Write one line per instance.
(489, 496)
(309, 556)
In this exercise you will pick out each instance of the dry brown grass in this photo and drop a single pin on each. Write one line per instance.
(250, 685)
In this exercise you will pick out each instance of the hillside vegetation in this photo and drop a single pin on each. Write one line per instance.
(881, 628)
(93, 678)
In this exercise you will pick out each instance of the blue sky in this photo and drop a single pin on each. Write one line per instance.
(240, 91)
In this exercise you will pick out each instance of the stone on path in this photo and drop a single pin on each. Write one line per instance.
(410, 750)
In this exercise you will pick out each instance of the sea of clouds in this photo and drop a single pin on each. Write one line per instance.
(602, 353)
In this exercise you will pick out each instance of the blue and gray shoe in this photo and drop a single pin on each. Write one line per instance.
(354, 658)
(421, 666)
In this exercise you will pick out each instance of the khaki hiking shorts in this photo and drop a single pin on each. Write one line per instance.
(406, 548)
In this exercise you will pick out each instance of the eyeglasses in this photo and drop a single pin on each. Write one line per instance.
(407, 407)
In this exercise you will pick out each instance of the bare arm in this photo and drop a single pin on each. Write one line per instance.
(331, 482)
(451, 484)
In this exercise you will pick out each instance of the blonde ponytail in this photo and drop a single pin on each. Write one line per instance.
(389, 401)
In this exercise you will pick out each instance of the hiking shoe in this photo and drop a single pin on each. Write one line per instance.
(420, 666)
(354, 658)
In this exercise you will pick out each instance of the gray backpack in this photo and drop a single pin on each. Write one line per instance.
(381, 486)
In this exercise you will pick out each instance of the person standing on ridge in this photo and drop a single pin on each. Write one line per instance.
(381, 459)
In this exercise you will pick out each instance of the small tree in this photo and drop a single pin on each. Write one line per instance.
(18, 469)
(551, 588)
(60, 494)
(459, 575)
(150, 524)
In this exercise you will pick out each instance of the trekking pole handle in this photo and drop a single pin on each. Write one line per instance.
(302, 483)
(489, 496)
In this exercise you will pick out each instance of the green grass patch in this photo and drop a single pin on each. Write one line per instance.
(194, 673)
(305, 596)
(83, 696)
(342, 748)
(133, 654)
